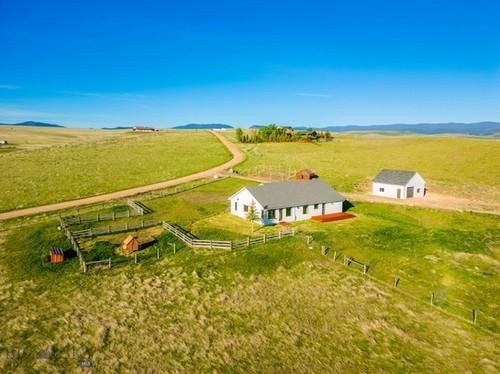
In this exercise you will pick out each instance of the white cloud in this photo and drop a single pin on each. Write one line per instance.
(105, 95)
(13, 113)
(308, 94)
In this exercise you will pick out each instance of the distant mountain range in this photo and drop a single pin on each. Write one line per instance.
(477, 128)
(31, 123)
(118, 128)
(202, 126)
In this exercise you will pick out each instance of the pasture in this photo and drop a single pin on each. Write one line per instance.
(278, 307)
(58, 173)
(459, 166)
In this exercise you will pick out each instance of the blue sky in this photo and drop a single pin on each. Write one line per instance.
(318, 63)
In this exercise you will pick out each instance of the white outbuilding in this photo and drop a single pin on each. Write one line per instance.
(287, 201)
(398, 184)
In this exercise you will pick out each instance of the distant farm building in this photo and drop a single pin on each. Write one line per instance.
(56, 255)
(305, 174)
(3, 142)
(130, 244)
(398, 184)
(287, 201)
(143, 128)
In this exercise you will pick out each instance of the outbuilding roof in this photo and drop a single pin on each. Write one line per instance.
(56, 251)
(294, 193)
(128, 239)
(397, 177)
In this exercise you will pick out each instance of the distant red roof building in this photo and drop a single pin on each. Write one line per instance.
(305, 174)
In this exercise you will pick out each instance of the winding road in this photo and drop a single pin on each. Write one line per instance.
(237, 158)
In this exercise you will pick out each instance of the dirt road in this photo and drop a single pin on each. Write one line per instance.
(432, 200)
(237, 158)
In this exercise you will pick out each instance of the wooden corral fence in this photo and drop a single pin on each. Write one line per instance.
(74, 241)
(194, 242)
(112, 229)
(138, 207)
(91, 218)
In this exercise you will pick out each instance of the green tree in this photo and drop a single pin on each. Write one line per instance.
(239, 134)
(252, 215)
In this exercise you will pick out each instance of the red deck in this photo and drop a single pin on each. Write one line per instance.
(333, 217)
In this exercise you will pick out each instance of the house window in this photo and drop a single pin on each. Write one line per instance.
(235, 205)
(418, 190)
(271, 214)
(381, 189)
(304, 209)
(316, 206)
(245, 208)
(288, 212)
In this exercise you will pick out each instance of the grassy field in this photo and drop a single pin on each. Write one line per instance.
(58, 173)
(277, 308)
(31, 138)
(456, 165)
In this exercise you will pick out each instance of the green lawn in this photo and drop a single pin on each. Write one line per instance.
(457, 165)
(54, 174)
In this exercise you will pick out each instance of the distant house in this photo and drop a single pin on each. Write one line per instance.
(305, 174)
(143, 128)
(130, 244)
(287, 201)
(3, 142)
(398, 184)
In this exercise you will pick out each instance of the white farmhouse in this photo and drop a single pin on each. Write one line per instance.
(398, 184)
(287, 201)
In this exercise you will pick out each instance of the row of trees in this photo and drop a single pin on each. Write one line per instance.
(276, 134)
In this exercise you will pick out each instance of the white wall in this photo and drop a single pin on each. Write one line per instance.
(243, 197)
(298, 215)
(390, 190)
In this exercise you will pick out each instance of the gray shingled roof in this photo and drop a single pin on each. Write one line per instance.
(397, 177)
(294, 193)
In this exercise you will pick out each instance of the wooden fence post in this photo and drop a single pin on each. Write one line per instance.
(211, 247)
(135, 258)
(323, 250)
(280, 234)
(97, 217)
(142, 223)
(157, 253)
(474, 316)
(109, 229)
(364, 268)
(114, 215)
(432, 298)
(231, 245)
(109, 263)
(396, 281)
(264, 238)
(126, 226)
(128, 213)
(334, 255)
(84, 267)
(248, 241)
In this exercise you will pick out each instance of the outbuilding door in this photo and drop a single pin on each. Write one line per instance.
(398, 193)
(409, 191)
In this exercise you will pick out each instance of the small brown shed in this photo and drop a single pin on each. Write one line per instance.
(56, 255)
(130, 244)
(305, 174)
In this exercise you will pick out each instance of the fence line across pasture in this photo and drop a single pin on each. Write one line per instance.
(193, 242)
(347, 261)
